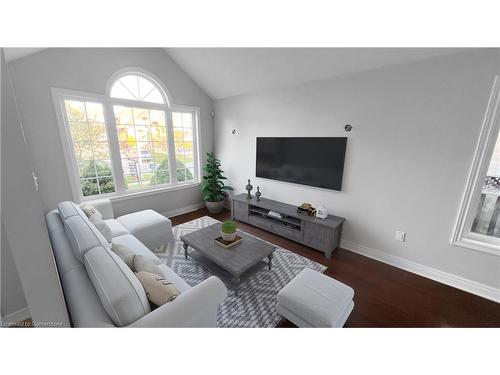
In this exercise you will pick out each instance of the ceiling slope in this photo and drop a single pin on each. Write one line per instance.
(225, 72)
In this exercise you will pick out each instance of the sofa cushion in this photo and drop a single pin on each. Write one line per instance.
(119, 290)
(158, 290)
(116, 228)
(61, 245)
(67, 209)
(83, 302)
(150, 227)
(81, 236)
(136, 246)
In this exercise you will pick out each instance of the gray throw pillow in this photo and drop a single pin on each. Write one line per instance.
(143, 263)
(101, 226)
(90, 210)
(125, 254)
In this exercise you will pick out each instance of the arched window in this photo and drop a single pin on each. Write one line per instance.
(138, 141)
(136, 87)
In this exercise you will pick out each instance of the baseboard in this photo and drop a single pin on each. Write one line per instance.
(17, 316)
(184, 210)
(458, 282)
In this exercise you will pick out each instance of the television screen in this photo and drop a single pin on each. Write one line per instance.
(313, 161)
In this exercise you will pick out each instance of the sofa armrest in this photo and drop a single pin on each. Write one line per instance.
(103, 205)
(197, 307)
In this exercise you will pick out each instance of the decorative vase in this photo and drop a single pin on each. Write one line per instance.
(214, 207)
(228, 236)
(258, 193)
(249, 188)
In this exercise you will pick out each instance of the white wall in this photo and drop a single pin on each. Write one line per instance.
(408, 156)
(88, 69)
(23, 224)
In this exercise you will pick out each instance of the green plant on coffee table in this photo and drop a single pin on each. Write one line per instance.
(213, 187)
(228, 230)
(228, 227)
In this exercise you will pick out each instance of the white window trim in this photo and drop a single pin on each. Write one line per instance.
(480, 163)
(58, 97)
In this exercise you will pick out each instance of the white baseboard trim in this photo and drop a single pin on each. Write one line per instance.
(458, 282)
(183, 210)
(17, 316)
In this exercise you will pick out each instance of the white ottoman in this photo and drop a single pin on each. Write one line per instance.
(312, 299)
(150, 227)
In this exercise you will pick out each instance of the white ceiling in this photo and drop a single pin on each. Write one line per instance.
(225, 72)
(16, 53)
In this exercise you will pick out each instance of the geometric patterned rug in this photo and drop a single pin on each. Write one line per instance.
(255, 304)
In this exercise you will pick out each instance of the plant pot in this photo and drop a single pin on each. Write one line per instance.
(228, 236)
(214, 207)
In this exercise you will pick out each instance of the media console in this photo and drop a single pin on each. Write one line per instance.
(320, 234)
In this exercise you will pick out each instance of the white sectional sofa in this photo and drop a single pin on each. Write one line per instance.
(99, 288)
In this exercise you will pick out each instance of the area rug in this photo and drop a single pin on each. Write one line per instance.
(255, 304)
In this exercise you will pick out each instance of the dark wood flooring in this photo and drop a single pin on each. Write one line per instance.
(385, 296)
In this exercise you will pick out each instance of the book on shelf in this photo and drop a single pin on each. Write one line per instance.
(275, 214)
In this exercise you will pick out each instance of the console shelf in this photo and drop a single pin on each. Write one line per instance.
(320, 234)
(292, 221)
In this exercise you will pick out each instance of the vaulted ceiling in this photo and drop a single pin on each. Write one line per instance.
(17, 53)
(225, 72)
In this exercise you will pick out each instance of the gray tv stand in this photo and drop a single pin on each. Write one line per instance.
(320, 234)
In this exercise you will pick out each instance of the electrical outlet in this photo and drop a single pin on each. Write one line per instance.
(400, 236)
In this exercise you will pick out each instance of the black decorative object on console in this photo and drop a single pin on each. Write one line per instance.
(258, 194)
(249, 188)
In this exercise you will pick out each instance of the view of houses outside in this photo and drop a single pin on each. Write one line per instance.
(142, 139)
(90, 144)
(486, 220)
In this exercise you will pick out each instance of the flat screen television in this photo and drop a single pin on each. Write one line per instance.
(313, 161)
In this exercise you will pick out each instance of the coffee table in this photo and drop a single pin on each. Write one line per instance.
(236, 260)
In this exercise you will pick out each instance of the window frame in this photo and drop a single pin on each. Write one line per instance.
(462, 235)
(60, 95)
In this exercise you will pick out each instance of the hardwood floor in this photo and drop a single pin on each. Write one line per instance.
(385, 296)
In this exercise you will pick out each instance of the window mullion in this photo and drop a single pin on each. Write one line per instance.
(171, 148)
(114, 148)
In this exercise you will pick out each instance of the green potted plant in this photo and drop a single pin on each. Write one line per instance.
(213, 188)
(228, 230)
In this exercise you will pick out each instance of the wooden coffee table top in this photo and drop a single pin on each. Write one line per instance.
(236, 259)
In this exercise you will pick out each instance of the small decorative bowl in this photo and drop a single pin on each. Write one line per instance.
(228, 236)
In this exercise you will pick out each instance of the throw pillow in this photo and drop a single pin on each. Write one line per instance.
(90, 210)
(158, 290)
(125, 254)
(101, 226)
(143, 263)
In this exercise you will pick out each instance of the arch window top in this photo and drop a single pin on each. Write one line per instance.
(137, 87)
